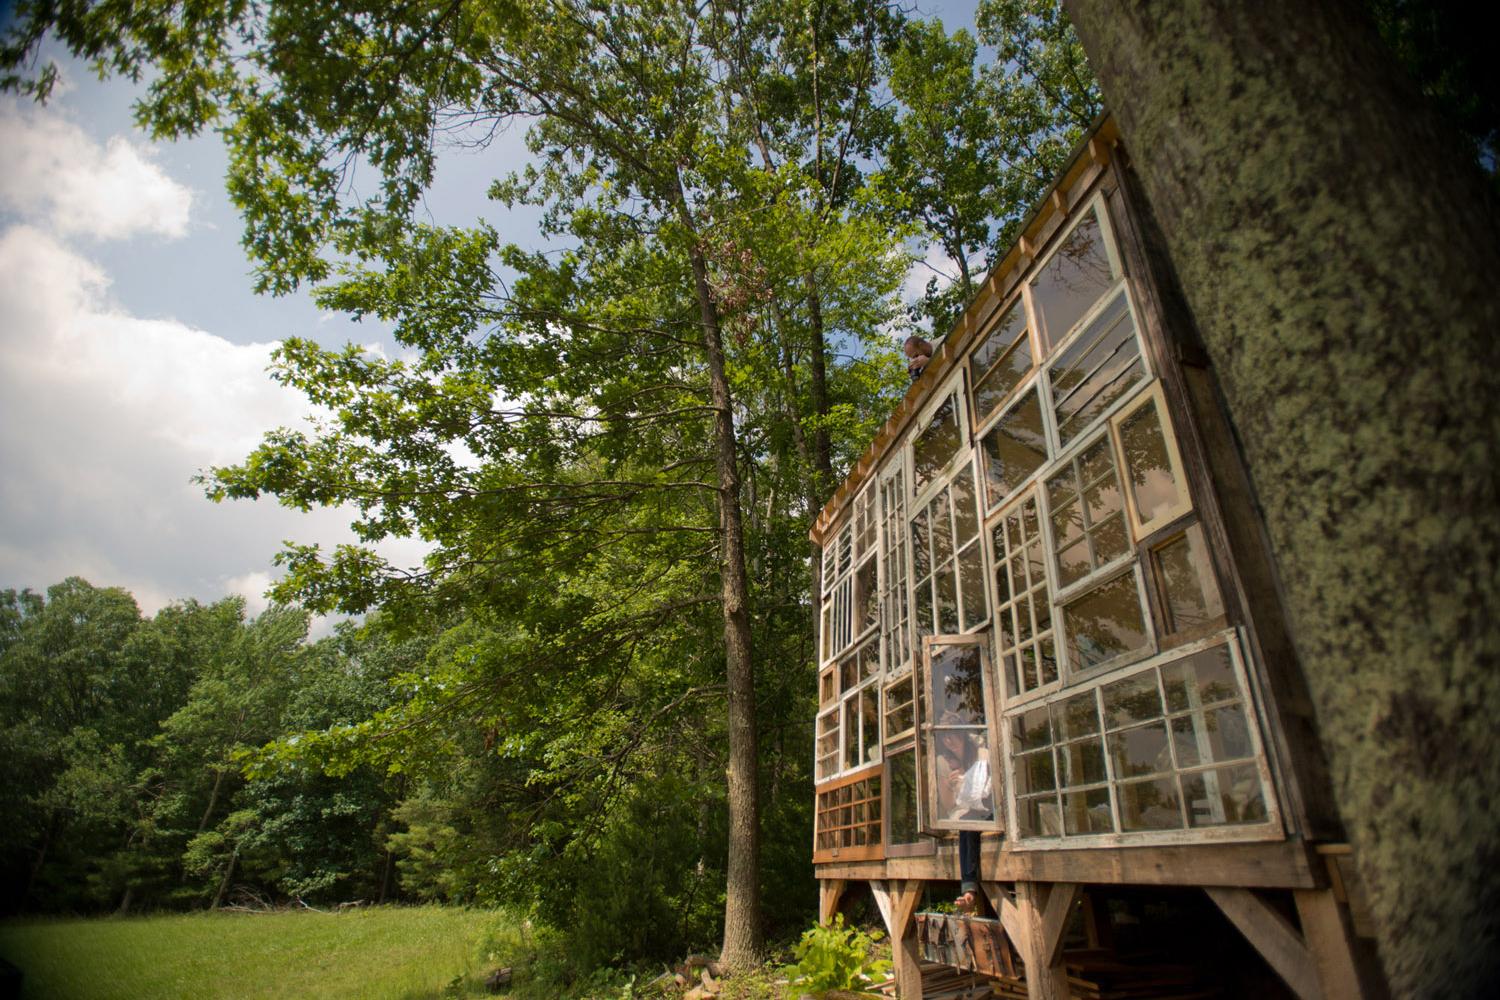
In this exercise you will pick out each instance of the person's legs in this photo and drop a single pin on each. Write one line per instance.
(968, 870)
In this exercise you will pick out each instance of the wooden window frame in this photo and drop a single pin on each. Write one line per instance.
(924, 844)
(924, 736)
(1156, 585)
(1148, 373)
(1072, 677)
(1062, 594)
(853, 852)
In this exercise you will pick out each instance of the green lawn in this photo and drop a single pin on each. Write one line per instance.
(384, 952)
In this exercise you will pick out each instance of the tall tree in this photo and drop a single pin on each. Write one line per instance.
(1338, 251)
(604, 391)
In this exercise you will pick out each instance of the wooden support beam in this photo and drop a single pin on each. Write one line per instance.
(1346, 969)
(1273, 936)
(882, 894)
(1060, 901)
(829, 891)
(1046, 978)
(906, 953)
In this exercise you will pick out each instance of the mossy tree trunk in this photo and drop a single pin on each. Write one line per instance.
(1339, 255)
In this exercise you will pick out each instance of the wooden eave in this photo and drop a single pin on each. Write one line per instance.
(1094, 151)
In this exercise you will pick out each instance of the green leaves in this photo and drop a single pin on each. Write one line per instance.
(834, 957)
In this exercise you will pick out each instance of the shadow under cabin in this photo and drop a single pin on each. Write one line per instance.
(1048, 618)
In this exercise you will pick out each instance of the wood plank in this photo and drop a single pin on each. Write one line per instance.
(882, 895)
(1345, 968)
(1046, 979)
(1273, 936)
(1060, 900)
(829, 891)
(905, 949)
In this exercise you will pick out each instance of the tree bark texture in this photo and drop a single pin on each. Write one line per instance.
(1339, 255)
(742, 932)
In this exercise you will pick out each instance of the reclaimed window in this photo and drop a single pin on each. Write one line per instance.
(999, 362)
(903, 818)
(955, 742)
(1077, 274)
(895, 599)
(827, 744)
(1088, 514)
(1095, 369)
(859, 675)
(1024, 637)
(937, 444)
(1188, 594)
(900, 708)
(949, 560)
(848, 819)
(1105, 624)
(1156, 490)
(1014, 448)
(1169, 746)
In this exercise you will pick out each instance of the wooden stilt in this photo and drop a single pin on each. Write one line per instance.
(903, 897)
(1273, 936)
(1345, 969)
(829, 891)
(1036, 923)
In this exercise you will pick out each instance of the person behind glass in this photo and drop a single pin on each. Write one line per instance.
(918, 353)
(963, 780)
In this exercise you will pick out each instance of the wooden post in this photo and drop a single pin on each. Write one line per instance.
(1036, 921)
(1344, 969)
(829, 891)
(898, 902)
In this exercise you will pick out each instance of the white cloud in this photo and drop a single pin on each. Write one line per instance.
(934, 264)
(105, 418)
(55, 173)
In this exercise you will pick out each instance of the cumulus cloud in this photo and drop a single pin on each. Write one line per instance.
(57, 175)
(105, 418)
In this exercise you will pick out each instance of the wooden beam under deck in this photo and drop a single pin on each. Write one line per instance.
(1288, 864)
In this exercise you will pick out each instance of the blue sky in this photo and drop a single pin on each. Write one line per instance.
(133, 351)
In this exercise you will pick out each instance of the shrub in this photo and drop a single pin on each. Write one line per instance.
(834, 957)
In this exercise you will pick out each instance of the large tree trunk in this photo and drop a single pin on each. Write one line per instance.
(1339, 255)
(742, 939)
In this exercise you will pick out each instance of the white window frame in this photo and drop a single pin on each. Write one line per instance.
(1272, 828)
(1139, 528)
(1099, 205)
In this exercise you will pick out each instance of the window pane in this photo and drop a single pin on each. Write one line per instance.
(903, 797)
(955, 694)
(1039, 817)
(1141, 750)
(971, 582)
(1078, 716)
(1135, 699)
(866, 597)
(899, 708)
(1226, 795)
(947, 600)
(1150, 805)
(1014, 448)
(1030, 730)
(1148, 466)
(1087, 812)
(942, 528)
(1083, 762)
(1034, 773)
(1204, 678)
(991, 390)
(1187, 582)
(1095, 370)
(1002, 336)
(965, 511)
(1105, 623)
(936, 445)
(1072, 279)
(869, 714)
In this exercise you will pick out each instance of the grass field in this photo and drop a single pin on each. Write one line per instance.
(384, 952)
